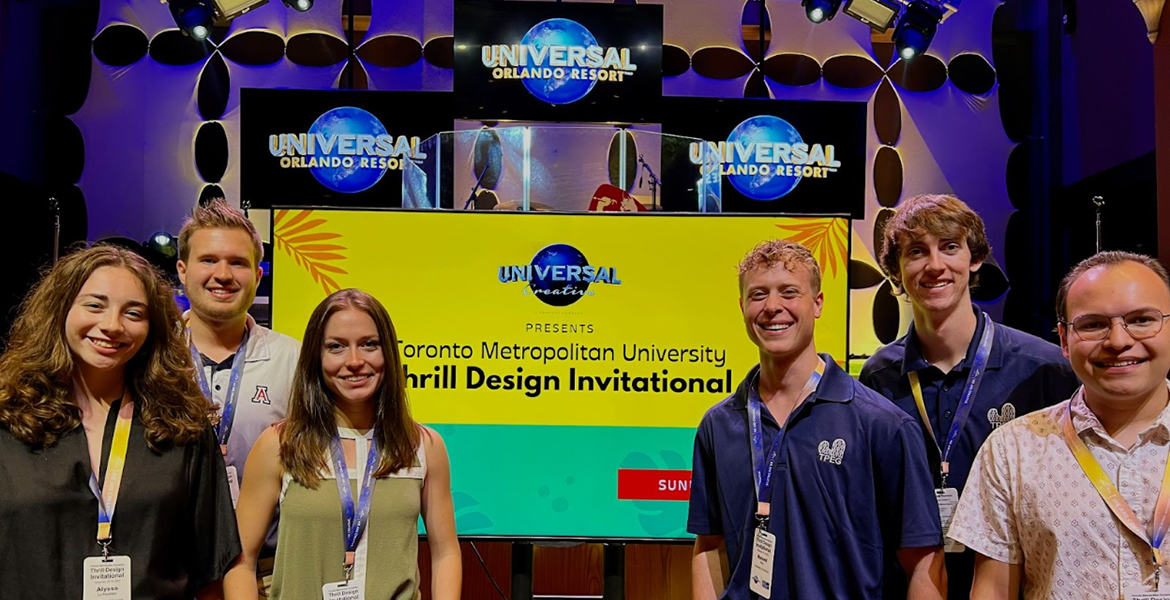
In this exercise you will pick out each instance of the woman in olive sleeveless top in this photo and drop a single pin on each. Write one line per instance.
(350, 471)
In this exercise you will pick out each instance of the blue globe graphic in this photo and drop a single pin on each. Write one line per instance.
(559, 32)
(763, 129)
(558, 293)
(341, 121)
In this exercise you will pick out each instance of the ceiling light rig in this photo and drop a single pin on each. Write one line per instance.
(819, 11)
(193, 17)
(299, 5)
(916, 20)
(878, 14)
(196, 18)
(916, 28)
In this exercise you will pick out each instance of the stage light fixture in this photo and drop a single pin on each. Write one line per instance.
(164, 244)
(916, 28)
(230, 9)
(819, 11)
(299, 5)
(878, 14)
(194, 18)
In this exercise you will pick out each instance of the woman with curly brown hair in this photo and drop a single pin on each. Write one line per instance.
(111, 481)
(351, 472)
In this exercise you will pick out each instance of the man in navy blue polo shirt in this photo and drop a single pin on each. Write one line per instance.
(958, 373)
(836, 504)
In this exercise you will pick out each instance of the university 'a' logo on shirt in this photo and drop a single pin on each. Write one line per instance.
(834, 453)
(1001, 415)
(261, 396)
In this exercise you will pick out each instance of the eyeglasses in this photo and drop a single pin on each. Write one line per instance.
(1140, 324)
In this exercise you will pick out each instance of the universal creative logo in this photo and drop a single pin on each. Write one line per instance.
(559, 61)
(765, 158)
(559, 275)
(347, 149)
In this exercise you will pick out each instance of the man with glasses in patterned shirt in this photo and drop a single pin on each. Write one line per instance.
(1072, 501)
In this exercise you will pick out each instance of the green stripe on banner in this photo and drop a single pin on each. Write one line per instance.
(543, 481)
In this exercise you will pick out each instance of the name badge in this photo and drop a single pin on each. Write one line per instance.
(948, 499)
(107, 578)
(343, 590)
(233, 484)
(763, 553)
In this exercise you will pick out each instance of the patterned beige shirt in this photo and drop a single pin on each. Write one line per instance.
(1028, 501)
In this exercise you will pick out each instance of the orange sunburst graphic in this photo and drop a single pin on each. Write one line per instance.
(827, 239)
(315, 250)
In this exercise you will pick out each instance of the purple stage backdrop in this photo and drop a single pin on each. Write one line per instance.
(160, 121)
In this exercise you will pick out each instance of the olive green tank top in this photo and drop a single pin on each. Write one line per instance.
(310, 548)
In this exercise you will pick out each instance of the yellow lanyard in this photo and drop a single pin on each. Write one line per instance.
(1111, 495)
(107, 494)
(916, 390)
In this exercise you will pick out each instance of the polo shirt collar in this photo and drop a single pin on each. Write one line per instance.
(1084, 419)
(257, 339)
(913, 360)
(257, 342)
(836, 385)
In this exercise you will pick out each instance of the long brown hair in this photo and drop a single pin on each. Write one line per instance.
(36, 371)
(311, 425)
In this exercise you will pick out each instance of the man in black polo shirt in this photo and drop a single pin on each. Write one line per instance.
(958, 373)
(837, 503)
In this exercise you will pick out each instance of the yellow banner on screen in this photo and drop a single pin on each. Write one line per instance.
(553, 319)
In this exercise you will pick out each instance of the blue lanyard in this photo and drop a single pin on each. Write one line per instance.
(353, 519)
(223, 429)
(974, 378)
(763, 472)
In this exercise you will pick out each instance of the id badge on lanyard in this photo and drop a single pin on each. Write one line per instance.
(107, 577)
(342, 590)
(223, 429)
(763, 556)
(1143, 595)
(354, 519)
(948, 497)
(764, 542)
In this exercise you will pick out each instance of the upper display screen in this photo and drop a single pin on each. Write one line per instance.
(562, 61)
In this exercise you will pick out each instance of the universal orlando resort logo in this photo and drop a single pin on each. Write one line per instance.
(559, 61)
(765, 158)
(347, 149)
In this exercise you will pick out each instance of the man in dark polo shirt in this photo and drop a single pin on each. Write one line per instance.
(956, 372)
(836, 504)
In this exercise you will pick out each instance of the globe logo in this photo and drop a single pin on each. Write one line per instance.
(345, 175)
(559, 32)
(558, 292)
(765, 183)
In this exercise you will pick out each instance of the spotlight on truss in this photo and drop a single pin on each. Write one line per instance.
(819, 11)
(299, 5)
(916, 28)
(193, 17)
